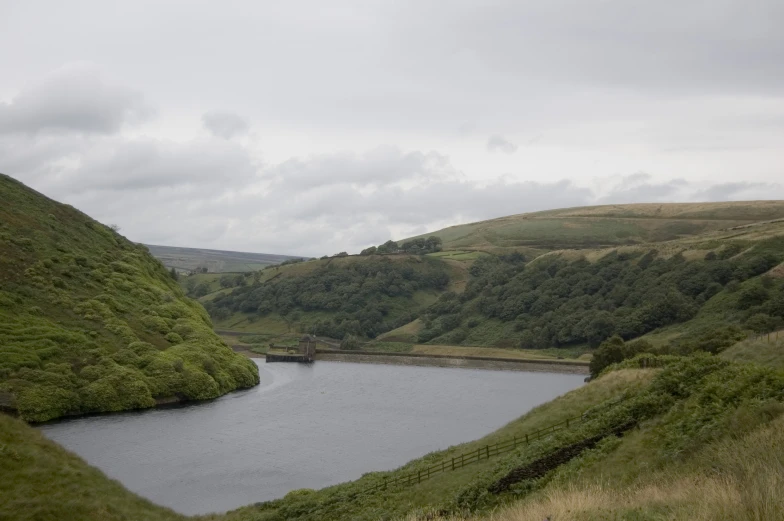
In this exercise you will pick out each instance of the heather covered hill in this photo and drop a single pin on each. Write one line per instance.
(91, 322)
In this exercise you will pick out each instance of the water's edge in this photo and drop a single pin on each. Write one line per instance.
(415, 359)
(256, 444)
(468, 363)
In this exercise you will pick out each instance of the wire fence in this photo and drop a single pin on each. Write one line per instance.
(768, 337)
(480, 454)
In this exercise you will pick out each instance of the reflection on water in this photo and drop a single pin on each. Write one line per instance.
(303, 427)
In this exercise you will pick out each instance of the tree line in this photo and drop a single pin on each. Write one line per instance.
(419, 246)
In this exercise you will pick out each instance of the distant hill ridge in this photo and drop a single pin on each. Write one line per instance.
(604, 226)
(215, 261)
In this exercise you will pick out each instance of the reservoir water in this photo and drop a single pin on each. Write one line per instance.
(303, 427)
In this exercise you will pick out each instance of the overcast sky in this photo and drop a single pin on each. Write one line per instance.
(311, 127)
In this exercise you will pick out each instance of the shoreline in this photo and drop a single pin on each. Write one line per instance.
(499, 364)
(448, 361)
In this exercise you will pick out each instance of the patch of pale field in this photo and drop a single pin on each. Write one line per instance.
(412, 328)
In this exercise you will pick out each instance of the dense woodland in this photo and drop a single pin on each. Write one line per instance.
(555, 302)
(357, 297)
(551, 302)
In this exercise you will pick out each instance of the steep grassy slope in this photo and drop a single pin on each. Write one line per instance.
(603, 226)
(91, 322)
(733, 480)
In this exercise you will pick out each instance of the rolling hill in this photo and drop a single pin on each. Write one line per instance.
(91, 322)
(603, 226)
(564, 301)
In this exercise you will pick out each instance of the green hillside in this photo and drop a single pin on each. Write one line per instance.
(674, 294)
(683, 419)
(603, 226)
(91, 322)
(582, 298)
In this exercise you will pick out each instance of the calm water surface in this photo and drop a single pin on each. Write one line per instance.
(304, 426)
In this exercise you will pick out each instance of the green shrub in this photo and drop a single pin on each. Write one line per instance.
(156, 324)
(174, 338)
(44, 402)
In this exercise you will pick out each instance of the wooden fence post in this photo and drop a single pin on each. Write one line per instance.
(487, 448)
(419, 477)
(385, 483)
(515, 442)
(453, 463)
(526, 438)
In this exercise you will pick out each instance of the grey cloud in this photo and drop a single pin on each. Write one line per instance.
(738, 190)
(68, 167)
(382, 165)
(447, 200)
(500, 144)
(141, 164)
(225, 124)
(425, 68)
(653, 46)
(640, 188)
(73, 98)
(211, 194)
